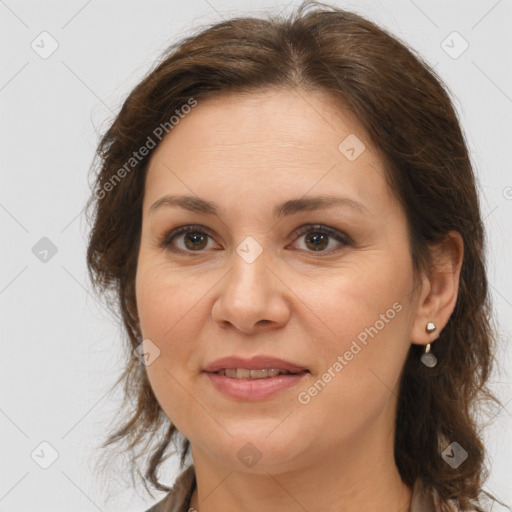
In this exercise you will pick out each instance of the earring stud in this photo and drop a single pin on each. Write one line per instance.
(427, 358)
(431, 327)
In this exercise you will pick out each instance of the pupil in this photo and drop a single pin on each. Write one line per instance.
(195, 237)
(317, 238)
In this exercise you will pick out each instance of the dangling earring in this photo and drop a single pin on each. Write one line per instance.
(427, 358)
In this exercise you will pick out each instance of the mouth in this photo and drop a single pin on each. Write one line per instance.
(248, 374)
(259, 378)
(255, 388)
(258, 366)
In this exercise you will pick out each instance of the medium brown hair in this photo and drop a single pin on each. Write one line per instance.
(410, 119)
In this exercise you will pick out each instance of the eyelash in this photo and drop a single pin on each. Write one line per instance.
(342, 238)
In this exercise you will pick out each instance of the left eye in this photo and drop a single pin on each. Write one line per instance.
(195, 238)
(318, 237)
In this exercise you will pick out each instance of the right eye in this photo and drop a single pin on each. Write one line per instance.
(192, 239)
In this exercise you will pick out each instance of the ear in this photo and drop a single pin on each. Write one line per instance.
(439, 289)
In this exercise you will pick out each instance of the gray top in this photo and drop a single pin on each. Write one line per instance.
(178, 498)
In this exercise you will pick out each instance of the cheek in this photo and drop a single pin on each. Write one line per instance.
(362, 339)
(362, 301)
(166, 299)
(357, 382)
(171, 313)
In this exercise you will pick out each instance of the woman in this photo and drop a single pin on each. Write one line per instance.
(287, 215)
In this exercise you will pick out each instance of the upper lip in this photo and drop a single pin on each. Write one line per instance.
(254, 363)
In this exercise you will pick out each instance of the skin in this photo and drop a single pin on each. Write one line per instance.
(248, 153)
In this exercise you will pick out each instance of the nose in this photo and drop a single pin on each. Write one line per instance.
(252, 297)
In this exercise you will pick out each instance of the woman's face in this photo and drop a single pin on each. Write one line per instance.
(328, 289)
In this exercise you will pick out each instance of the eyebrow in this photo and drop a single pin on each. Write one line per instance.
(197, 205)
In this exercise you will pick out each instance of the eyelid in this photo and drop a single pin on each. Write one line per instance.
(166, 240)
(341, 237)
(338, 235)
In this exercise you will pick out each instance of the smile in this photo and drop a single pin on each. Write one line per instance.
(244, 386)
(245, 373)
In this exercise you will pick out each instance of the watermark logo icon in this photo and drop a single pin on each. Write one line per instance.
(454, 45)
(249, 455)
(454, 455)
(45, 45)
(44, 455)
(146, 352)
(44, 250)
(351, 147)
(249, 249)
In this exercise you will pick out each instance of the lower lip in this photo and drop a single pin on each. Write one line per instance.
(254, 389)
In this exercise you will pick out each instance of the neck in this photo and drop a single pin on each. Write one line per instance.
(358, 480)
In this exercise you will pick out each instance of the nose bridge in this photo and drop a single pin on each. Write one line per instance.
(248, 281)
(251, 294)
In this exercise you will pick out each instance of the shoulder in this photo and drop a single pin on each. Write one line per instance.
(178, 498)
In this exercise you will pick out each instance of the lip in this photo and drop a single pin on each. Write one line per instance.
(254, 389)
(254, 363)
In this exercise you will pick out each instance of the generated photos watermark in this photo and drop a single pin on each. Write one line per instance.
(304, 397)
(137, 156)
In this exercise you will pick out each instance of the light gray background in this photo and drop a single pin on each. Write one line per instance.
(61, 350)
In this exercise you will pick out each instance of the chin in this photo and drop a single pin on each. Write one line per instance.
(256, 448)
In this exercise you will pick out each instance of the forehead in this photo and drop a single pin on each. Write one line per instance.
(279, 142)
(308, 120)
